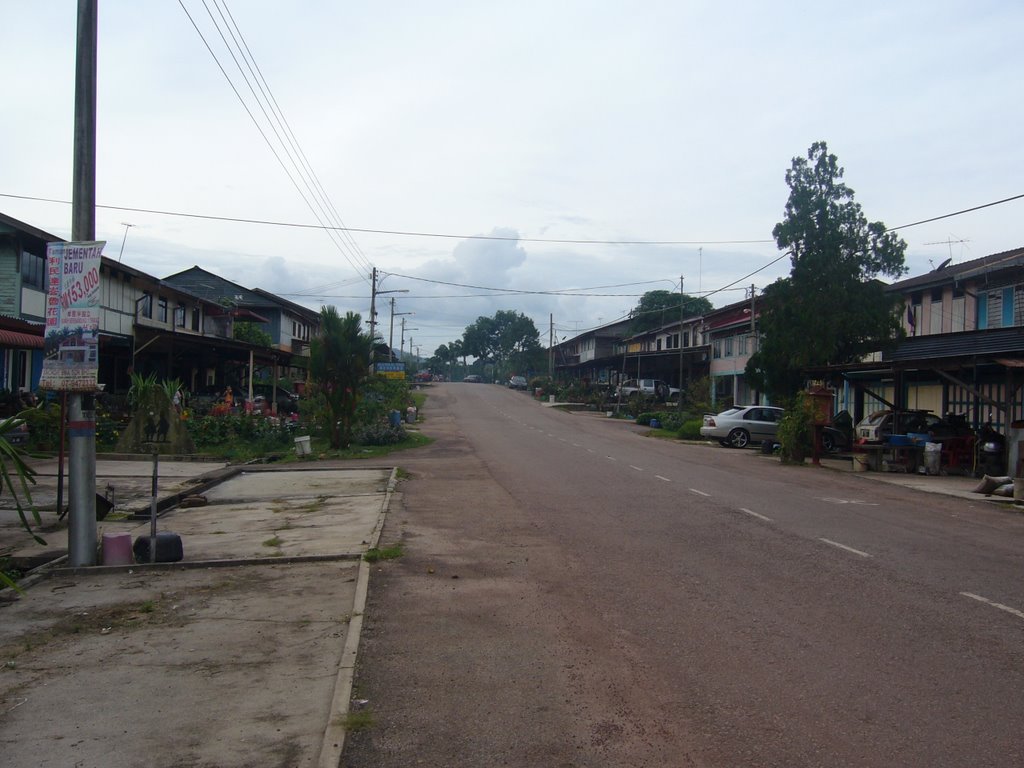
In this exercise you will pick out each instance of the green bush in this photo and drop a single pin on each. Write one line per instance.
(796, 431)
(690, 429)
(258, 434)
(381, 433)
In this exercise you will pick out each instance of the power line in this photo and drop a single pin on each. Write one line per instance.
(351, 258)
(956, 213)
(410, 233)
(292, 138)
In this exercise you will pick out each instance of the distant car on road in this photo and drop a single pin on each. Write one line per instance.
(473, 379)
(646, 388)
(740, 426)
(517, 382)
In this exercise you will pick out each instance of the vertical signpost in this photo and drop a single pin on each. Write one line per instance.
(71, 365)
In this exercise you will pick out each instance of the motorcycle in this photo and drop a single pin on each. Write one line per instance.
(990, 451)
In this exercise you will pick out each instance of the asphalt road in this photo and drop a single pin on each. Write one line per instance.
(574, 594)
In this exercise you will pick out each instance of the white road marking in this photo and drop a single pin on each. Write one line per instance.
(591, 450)
(843, 546)
(1000, 606)
(638, 469)
(663, 478)
(611, 458)
(756, 514)
(833, 500)
(576, 445)
(699, 493)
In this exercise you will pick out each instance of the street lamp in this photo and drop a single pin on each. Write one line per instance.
(391, 334)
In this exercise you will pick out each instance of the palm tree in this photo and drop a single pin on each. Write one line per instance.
(338, 365)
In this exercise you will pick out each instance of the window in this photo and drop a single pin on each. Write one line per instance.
(716, 348)
(33, 271)
(686, 338)
(675, 340)
(179, 316)
(935, 313)
(144, 305)
(161, 310)
(195, 318)
(959, 313)
(658, 345)
(728, 346)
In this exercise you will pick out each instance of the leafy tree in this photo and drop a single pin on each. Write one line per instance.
(338, 367)
(831, 309)
(252, 333)
(658, 308)
(509, 339)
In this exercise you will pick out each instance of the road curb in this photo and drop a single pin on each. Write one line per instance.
(333, 743)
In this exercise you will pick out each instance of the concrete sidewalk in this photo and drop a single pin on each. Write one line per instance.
(240, 655)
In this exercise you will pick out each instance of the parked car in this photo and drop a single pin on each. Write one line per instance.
(473, 379)
(646, 388)
(742, 425)
(518, 382)
(838, 435)
(878, 426)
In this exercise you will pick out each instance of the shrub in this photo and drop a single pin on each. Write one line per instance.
(690, 429)
(796, 431)
(380, 433)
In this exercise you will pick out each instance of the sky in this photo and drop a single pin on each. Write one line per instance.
(668, 125)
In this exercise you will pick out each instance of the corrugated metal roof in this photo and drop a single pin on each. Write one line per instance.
(997, 341)
(953, 272)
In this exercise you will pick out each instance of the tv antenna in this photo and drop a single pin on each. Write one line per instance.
(949, 243)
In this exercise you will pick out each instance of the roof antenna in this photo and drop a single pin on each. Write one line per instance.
(947, 242)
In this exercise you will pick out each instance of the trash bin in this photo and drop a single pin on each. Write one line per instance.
(395, 418)
(932, 458)
(860, 462)
(303, 446)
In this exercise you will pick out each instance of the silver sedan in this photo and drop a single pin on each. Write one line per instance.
(740, 426)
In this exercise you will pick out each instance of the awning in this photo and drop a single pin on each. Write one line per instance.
(18, 340)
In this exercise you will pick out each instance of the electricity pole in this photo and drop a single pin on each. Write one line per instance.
(81, 407)
(681, 315)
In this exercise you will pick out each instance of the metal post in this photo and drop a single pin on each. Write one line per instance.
(82, 481)
(681, 315)
(81, 416)
(373, 312)
(152, 506)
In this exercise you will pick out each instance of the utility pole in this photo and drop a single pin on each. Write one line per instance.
(81, 407)
(551, 347)
(681, 315)
(391, 335)
(373, 312)
(753, 326)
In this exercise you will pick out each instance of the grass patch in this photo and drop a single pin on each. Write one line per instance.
(358, 721)
(375, 555)
(403, 474)
(274, 542)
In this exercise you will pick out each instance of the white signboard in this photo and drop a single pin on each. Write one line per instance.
(71, 345)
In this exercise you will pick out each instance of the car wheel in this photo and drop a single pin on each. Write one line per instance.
(828, 442)
(739, 438)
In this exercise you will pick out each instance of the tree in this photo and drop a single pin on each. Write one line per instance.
(831, 309)
(658, 308)
(508, 339)
(252, 333)
(338, 366)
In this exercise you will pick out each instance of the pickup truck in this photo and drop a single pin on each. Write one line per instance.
(646, 388)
